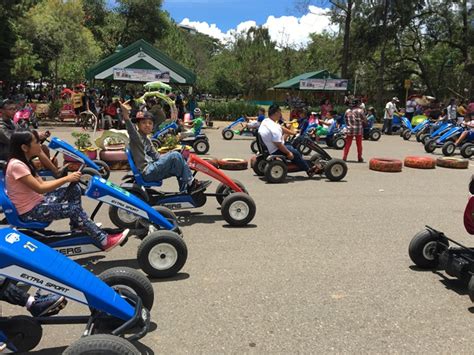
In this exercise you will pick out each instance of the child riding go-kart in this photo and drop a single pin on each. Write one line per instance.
(118, 300)
(408, 130)
(248, 129)
(162, 253)
(442, 142)
(429, 249)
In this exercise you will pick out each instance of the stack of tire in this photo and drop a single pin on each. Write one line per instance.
(115, 159)
(227, 163)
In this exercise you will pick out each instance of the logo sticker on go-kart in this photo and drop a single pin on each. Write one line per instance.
(12, 238)
(122, 205)
(118, 188)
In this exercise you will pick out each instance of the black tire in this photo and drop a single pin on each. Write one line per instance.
(104, 168)
(224, 189)
(470, 288)
(406, 134)
(24, 332)
(259, 166)
(335, 169)
(339, 143)
(254, 146)
(126, 278)
(159, 246)
(329, 142)
(143, 224)
(375, 135)
(424, 249)
(424, 138)
(275, 171)
(467, 150)
(430, 146)
(238, 209)
(102, 344)
(201, 146)
(122, 218)
(448, 149)
(418, 136)
(227, 134)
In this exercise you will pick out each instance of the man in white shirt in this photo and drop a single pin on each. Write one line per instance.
(390, 109)
(272, 135)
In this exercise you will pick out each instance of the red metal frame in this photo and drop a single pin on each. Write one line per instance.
(196, 163)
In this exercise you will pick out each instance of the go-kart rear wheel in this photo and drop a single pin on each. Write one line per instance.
(430, 145)
(254, 146)
(227, 134)
(238, 209)
(424, 249)
(406, 134)
(275, 171)
(122, 218)
(339, 143)
(467, 150)
(223, 191)
(448, 149)
(470, 288)
(143, 224)
(24, 332)
(162, 254)
(87, 175)
(335, 169)
(125, 278)
(375, 135)
(259, 166)
(201, 146)
(104, 170)
(102, 344)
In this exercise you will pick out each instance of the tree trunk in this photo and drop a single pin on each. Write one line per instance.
(381, 67)
(347, 37)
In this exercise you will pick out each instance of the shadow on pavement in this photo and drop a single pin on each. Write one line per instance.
(188, 218)
(50, 351)
(456, 285)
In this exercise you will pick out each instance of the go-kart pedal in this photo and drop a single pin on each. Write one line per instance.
(199, 188)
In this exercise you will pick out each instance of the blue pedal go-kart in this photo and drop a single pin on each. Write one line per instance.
(229, 131)
(162, 252)
(113, 298)
(159, 136)
(465, 149)
(449, 136)
(438, 129)
(408, 130)
(237, 207)
(372, 133)
(198, 141)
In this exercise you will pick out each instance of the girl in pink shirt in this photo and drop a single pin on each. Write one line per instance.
(46, 201)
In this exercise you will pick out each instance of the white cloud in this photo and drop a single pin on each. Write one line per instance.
(285, 30)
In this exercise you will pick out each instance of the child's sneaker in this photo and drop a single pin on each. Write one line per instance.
(113, 240)
(47, 305)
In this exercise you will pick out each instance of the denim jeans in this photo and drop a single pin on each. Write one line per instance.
(297, 157)
(387, 126)
(170, 164)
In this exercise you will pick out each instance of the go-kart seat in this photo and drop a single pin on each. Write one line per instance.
(10, 211)
(138, 175)
(263, 150)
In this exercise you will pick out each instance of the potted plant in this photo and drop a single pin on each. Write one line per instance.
(82, 143)
(171, 142)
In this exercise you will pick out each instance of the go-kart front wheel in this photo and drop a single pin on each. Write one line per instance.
(125, 278)
(425, 247)
(201, 146)
(254, 147)
(339, 143)
(102, 344)
(430, 145)
(24, 332)
(275, 171)
(406, 134)
(142, 225)
(448, 149)
(122, 218)
(467, 150)
(375, 135)
(335, 169)
(259, 166)
(227, 134)
(238, 209)
(162, 254)
(223, 191)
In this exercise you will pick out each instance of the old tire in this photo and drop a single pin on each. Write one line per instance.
(430, 145)
(420, 162)
(385, 165)
(254, 147)
(201, 146)
(120, 278)
(424, 247)
(227, 134)
(275, 171)
(467, 150)
(448, 149)
(335, 169)
(102, 344)
(162, 254)
(233, 164)
(238, 209)
(225, 190)
(453, 163)
(211, 160)
(258, 165)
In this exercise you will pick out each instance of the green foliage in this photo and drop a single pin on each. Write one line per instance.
(25, 61)
(54, 108)
(82, 140)
(229, 110)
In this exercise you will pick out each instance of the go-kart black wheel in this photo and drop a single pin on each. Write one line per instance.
(162, 254)
(156, 143)
(227, 134)
(406, 134)
(104, 170)
(275, 171)
(329, 142)
(424, 138)
(201, 146)
(335, 169)
(143, 224)
(125, 278)
(87, 174)
(238, 209)
(259, 166)
(122, 218)
(23, 332)
(470, 288)
(254, 147)
(418, 136)
(467, 150)
(448, 149)
(375, 135)
(339, 143)
(223, 191)
(425, 247)
(102, 344)
(430, 145)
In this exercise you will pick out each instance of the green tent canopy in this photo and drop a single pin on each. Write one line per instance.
(141, 55)
(294, 83)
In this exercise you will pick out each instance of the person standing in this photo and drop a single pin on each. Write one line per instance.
(77, 102)
(390, 109)
(451, 110)
(410, 108)
(355, 118)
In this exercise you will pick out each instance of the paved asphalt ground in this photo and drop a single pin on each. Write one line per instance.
(323, 268)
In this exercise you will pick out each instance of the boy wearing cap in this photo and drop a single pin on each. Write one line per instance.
(390, 109)
(152, 165)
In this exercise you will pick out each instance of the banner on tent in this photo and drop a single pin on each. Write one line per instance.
(145, 75)
(324, 84)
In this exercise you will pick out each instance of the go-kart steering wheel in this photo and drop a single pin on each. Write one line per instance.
(87, 174)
